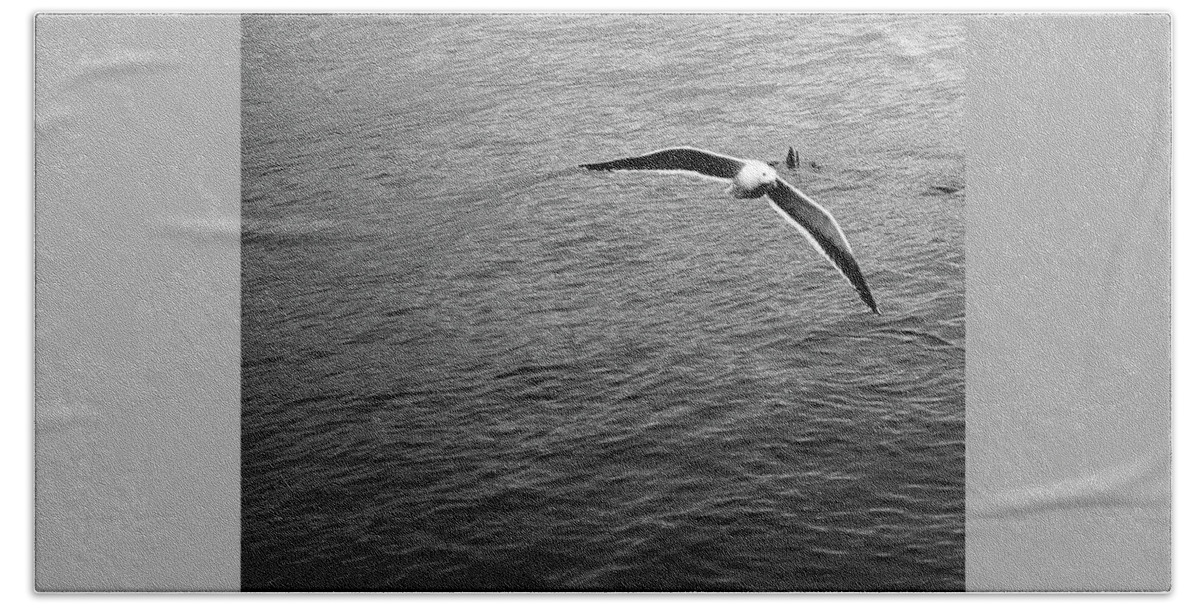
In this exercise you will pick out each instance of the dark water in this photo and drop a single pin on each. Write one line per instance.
(467, 365)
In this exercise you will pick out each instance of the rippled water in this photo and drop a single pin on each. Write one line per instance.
(469, 365)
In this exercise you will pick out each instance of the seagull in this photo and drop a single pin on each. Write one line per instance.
(750, 179)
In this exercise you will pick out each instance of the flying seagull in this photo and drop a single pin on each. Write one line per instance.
(752, 179)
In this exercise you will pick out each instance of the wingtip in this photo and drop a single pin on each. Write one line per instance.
(869, 300)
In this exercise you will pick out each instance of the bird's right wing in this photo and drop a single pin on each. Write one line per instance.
(819, 227)
(691, 160)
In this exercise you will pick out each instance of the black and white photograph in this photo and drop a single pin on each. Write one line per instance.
(620, 302)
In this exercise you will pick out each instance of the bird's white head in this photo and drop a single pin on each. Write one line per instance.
(754, 178)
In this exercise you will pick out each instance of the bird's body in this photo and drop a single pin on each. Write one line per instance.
(750, 179)
(753, 180)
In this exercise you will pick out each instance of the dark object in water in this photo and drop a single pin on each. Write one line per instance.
(814, 165)
(948, 189)
(792, 161)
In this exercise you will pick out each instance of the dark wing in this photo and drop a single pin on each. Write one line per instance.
(703, 162)
(815, 223)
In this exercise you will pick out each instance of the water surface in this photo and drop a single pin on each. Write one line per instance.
(469, 365)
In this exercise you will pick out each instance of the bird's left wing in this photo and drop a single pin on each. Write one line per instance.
(691, 160)
(819, 227)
